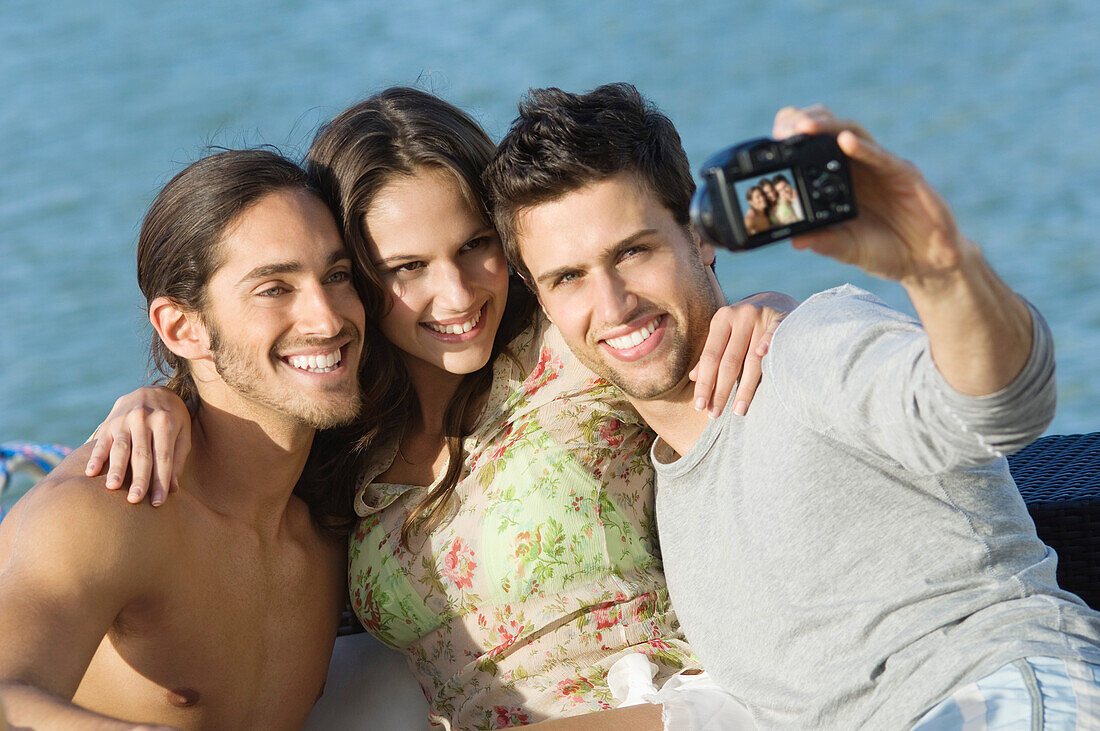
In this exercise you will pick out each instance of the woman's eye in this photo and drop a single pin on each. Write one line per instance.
(411, 266)
(477, 243)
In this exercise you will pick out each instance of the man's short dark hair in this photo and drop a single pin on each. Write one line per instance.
(178, 249)
(562, 142)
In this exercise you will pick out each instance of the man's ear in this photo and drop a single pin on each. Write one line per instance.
(707, 252)
(708, 255)
(182, 331)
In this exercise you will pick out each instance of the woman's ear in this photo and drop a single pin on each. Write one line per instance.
(182, 331)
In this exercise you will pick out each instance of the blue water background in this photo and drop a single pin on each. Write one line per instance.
(103, 102)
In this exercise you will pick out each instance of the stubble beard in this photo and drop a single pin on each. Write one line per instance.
(337, 407)
(656, 380)
(647, 381)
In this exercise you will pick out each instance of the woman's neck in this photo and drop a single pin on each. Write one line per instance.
(434, 388)
(422, 454)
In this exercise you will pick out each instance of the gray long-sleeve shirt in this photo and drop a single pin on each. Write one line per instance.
(854, 548)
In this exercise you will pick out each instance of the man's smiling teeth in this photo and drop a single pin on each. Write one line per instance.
(323, 363)
(463, 327)
(637, 337)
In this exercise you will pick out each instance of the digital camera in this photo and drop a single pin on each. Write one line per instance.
(810, 187)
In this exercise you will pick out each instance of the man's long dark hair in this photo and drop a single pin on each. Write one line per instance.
(179, 249)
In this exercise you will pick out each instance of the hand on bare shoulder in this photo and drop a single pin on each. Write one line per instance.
(147, 433)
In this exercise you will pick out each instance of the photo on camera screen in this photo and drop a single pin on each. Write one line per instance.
(769, 201)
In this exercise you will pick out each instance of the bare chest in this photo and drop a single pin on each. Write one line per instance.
(236, 639)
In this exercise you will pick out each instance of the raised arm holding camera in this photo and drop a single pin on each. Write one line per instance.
(852, 552)
(979, 329)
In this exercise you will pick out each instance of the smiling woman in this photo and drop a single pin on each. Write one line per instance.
(445, 274)
(506, 538)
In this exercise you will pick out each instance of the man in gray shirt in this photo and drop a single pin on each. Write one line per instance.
(852, 553)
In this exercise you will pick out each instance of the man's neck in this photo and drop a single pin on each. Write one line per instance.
(246, 467)
(674, 418)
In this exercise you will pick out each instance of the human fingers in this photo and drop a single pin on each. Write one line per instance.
(795, 120)
(710, 360)
(752, 371)
(118, 461)
(865, 150)
(783, 125)
(735, 332)
(144, 423)
(165, 435)
(141, 456)
(814, 120)
(730, 370)
(100, 452)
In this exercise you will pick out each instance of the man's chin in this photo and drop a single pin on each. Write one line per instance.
(645, 386)
(649, 392)
(331, 418)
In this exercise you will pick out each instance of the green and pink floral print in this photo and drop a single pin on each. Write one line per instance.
(547, 571)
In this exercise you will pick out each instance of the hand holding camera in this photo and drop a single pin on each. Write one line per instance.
(765, 190)
(905, 230)
(980, 330)
(804, 185)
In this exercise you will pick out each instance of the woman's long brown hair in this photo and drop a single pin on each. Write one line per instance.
(401, 132)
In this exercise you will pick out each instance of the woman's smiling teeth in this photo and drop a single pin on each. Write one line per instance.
(462, 327)
(322, 363)
(635, 338)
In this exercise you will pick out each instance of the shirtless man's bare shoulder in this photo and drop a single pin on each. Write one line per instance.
(177, 615)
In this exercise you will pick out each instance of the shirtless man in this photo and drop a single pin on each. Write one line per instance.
(220, 611)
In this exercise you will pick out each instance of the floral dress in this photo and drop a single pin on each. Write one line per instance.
(547, 570)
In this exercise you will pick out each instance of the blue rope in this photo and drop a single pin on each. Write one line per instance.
(34, 459)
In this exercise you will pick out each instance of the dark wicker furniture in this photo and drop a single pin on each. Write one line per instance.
(1059, 477)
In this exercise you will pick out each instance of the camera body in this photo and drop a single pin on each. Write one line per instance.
(732, 207)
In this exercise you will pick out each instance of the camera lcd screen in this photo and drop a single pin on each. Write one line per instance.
(769, 201)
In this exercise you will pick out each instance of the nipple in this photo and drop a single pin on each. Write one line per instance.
(183, 697)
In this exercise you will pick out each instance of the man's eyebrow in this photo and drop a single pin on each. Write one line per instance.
(289, 267)
(614, 251)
